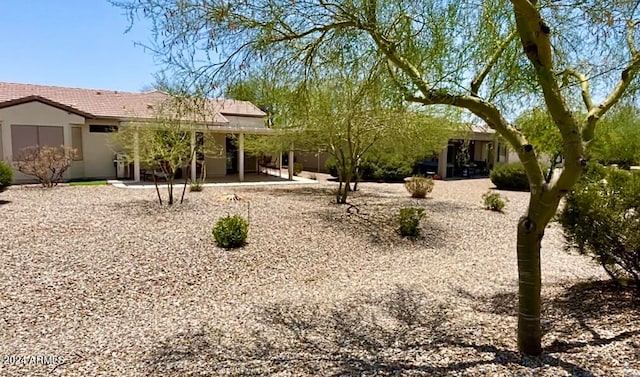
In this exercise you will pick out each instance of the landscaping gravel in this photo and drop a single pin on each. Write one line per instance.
(102, 281)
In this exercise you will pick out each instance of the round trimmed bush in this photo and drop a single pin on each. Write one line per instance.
(231, 232)
(6, 176)
(510, 177)
(418, 186)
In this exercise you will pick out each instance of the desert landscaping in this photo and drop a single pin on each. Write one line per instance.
(113, 284)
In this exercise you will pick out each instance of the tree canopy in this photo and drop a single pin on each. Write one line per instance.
(577, 58)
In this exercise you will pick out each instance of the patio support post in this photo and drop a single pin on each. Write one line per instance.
(442, 163)
(136, 157)
(66, 140)
(495, 152)
(193, 161)
(291, 157)
(241, 157)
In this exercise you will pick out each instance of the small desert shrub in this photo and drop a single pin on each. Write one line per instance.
(6, 176)
(48, 164)
(601, 219)
(418, 186)
(297, 168)
(196, 186)
(493, 201)
(409, 218)
(231, 232)
(510, 177)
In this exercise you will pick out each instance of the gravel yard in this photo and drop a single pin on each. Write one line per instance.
(115, 285)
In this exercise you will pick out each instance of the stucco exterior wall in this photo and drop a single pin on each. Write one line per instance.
(217, 165)
(98, 149)
(34, 114)
(240, 121)
(1, 152)
(311, 161)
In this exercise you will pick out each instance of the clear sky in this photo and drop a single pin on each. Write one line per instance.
(75, 43)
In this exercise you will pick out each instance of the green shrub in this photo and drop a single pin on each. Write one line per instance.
(6, 176)
(231, 232)
(510, 177)
(418, 186)
(378, 168)
(601, 219)
(331, 167)
(297, 168)
(493, 201)
(196, 186)
(386, 168)
(409, 218)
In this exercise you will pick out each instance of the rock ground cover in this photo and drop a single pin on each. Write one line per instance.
(117, 285)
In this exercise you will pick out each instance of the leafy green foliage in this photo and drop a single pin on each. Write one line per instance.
(418, 186)
(493, 201)
(350, 113)
(379, 168)
(510, 177)
(617, 140)
(541, 132)
(231, 232)
(409, 218)
(163, 144)
(196, 186)
(601, 219)
(386, 167)
(297, 168)
(6, 176)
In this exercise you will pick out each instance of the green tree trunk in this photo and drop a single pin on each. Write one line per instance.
(529, 283)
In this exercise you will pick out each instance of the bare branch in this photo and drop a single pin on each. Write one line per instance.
(479, 79)
(627, 75)
(631, 37)
(584, 86)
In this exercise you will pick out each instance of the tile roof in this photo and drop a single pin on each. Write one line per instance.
(116, 104)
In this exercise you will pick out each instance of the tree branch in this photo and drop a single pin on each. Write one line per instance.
(631, 37)
(534, 35)
(584, 86)
(627, 75)
(479, 79)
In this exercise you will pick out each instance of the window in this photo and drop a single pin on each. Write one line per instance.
(102, 129)
(28, 136)
(76, 142)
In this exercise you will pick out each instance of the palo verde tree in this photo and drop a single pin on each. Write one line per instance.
(489, 57)
(164, 144)
(346, 113)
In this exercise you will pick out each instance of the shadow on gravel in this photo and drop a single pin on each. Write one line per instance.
(401, 333)
(4, 202)
(581, 311)
(378, 225)
(588, 308)
(302, 191)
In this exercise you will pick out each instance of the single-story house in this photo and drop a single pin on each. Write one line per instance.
(84, 119)
(474, 152)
